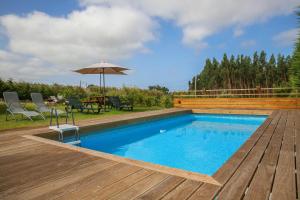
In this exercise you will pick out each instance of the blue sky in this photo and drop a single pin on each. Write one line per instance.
(43, 40)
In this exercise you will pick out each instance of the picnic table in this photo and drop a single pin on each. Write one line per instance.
(98, 100)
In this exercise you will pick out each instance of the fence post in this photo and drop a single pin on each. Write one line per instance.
(258, 91)
(195, 86)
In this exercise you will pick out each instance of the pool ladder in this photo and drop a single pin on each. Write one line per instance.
(61, 128)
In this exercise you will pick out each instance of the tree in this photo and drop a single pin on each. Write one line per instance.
(159, 88)
(295, 65)
(244, 72)
(271, 71)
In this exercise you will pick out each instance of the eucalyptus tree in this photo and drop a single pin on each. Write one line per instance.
(244, 72)
(295, 64)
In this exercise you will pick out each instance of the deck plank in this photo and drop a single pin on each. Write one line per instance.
(46, 172)
(23, 157)
(17, 145)
(183, 191)
(284, 186)
(35, 161)
(236, 186)
(141, 187)
(260, 186)
(111, 190)
(82, 188)
(160, 190)
(62, 182)
(205, 191)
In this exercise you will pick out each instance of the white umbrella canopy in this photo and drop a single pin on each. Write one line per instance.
(98, 70)
(103, 68)
(108, 65)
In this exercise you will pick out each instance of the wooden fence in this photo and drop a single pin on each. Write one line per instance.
(238, 103)
(240, 93)
(253, 98)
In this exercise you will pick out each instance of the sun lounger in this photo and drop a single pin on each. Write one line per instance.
(41, 107)
(120, 105)
(14, 106)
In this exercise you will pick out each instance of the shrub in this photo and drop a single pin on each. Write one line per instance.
(154, 96)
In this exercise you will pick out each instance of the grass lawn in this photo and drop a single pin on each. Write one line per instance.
(38, 121)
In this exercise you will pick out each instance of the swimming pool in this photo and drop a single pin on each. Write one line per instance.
(194, 142)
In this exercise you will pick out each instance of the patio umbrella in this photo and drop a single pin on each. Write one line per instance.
(103, 68)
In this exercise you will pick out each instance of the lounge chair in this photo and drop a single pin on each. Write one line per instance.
(121, 105)
(75, 103)
(14, 106)
(41, 107)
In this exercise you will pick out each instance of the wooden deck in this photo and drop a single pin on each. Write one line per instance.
(267, 165)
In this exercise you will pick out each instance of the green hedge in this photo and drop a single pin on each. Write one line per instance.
(155, 96)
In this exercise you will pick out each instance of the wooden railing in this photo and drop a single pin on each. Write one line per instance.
(240, 93)
(253, 98)
(238, 103)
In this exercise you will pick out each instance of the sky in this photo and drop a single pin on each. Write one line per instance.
(163, 42)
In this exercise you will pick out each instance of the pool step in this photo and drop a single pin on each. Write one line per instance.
(74, 142)
(61, 128)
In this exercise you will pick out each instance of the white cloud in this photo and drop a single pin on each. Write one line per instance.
(248, 43)
(22, 67)
(286, 38)
(237, 32)
(82, 36)
(202, 18)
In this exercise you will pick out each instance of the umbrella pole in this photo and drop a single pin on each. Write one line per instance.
(104, 90)
(100, 84)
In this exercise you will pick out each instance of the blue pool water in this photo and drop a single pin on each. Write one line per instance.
(194, 142)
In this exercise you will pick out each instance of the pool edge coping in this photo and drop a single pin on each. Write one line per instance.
(147, 165)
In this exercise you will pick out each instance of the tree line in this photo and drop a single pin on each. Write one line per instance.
(241, 72)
